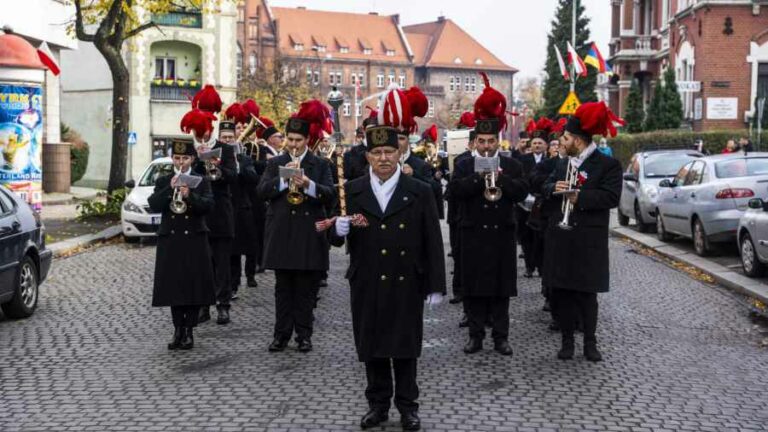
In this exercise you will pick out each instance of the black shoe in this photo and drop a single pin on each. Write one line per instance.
(234, 295)
(464, 321)
(591, 352)
(521, 256)
(260, 270)
(547, 306)
(410, 421)
(176, 341)
(323, 283)
(502, 347)
(456, 299)
(187, 339)
(205, 315)
(305, 345)
(251, 282)
(566, 350)
(223, 315)
(373, 418)
(473, 346)
(278, 345)
(450, 254)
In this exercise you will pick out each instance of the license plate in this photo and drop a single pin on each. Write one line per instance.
(155, 220)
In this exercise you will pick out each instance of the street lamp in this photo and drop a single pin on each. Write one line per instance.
(335, 100)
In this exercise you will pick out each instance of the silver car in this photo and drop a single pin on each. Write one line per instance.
(708, 196)
(640, 187)
(753, 238)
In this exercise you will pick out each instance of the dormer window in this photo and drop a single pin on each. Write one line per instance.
(298, 47)
(457, 60)
(367, 51)
(478, 62)
(319, 48)
(390, 53)
(344, 50)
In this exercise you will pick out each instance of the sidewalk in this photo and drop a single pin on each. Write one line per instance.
(75, 194)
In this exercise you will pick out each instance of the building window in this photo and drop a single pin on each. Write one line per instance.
(252, 63)
(762, 81)
(431, 111)
(292, 73)
(252, 30)
(331, 78)
(309, 76)
(165, 67)
(240, 14)
(316, 79)
(358, 109)
(474, 85)
(458, 83)
(361, 79)
(345, 110)
(298, 47)
(466, 84)
(401, 81)
(239, 63)
(319, 48)
(353, 79)
(390, 53)
(367, 51)
(380, 80)
(344, 50)
(391, 78)
(452, 85)
(339, 78)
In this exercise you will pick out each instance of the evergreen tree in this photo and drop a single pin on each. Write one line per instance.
(653, 115)
(672, 115)
(634, 109)
(555, 87)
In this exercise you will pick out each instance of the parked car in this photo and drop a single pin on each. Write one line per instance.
(753, 238)
(136, 217)
(708, 196)
(24, 261)
(640, 187)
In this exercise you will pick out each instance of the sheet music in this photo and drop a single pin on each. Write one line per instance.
(486, 164)
(287, 173)
(212, 154)
(191, 181)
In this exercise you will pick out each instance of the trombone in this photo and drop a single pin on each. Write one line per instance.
(492, 192)
(294, 197)
(326, 149)
(567, 206)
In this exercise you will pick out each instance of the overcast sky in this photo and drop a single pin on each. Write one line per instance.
(514, 30)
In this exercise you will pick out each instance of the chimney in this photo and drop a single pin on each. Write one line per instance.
(301, 7)
(373, 13)
(441, 18)
(396, 19)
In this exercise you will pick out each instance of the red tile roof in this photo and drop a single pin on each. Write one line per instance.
(443, 43)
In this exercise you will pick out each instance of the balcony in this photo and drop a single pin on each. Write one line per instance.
(643, 44)
(173, 92)
(180, 18)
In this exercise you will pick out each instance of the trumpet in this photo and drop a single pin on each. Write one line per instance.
(212, 171)
(178, 206)
(294, 197)
(492, 192)
(326, 149)
(567, 206)
(433, 156)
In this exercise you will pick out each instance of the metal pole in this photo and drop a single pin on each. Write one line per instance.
(573, 43)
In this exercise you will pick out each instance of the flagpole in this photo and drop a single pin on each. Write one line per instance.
(573, 43)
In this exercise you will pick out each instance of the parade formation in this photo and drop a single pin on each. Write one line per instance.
(282, 201)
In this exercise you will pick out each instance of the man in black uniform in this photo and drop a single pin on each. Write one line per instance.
(396, 262)
(577, 268)
(292, 246)
(355, 164)
(487, 227)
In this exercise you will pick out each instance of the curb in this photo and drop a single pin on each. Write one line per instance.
(721, 274)
(65, 246)
(71, 200)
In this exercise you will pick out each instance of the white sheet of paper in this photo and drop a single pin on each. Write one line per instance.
(215, 153)
(486, 164)
(192, 181)
(287, 173)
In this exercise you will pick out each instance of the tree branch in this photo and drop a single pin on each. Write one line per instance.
(143, 27)
(79, 26)
(108, 23)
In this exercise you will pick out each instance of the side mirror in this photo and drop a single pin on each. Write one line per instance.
(130, 184)
(756, 203)
(665, 183)
(630, 177)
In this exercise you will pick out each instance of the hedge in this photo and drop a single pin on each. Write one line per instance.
(625, 145)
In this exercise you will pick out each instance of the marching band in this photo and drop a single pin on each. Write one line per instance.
(281, 201)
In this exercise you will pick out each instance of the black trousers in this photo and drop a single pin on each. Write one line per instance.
(571, 306)
(185, 316)
(253, 261)
(456, 256)
(537, 251)
(525, 237)
(379, 390)
(235, 271)
(480, 309)
(221, 249)
(295, 295)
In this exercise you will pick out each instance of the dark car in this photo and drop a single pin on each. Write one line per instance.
(24, 260)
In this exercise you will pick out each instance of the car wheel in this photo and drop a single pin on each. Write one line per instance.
(700, 241)
(661, 232)
(24, 300)
(641, 226)
(749, 260)
(131, 240)
(623, 220)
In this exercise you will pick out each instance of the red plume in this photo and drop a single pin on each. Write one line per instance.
(430, 134)
(466, 121)
(530, 127)
(491, 104)
(207, 99)
(198, 122)
(597, 119)
(317, 114)
(252, 108)
(559, 127)
(237, 114)
(418, 102)
(260, 130)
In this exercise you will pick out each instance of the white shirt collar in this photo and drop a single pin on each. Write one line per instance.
(210, 143)
(538, 157)
(587, 152)
(272, 150)
(384, 191)
(178, 172)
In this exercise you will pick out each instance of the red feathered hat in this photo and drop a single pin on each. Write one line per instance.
(267, 123)
(466, 121)
(310, 121)
(430, 134)
(252, 108)
(490, 110)
(539, 129)
(400, 107)
(197, 122)
(593, 118)
(237, 114)
(558, 129)
(207, 99)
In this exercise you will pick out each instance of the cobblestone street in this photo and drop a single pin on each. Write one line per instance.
(680, 355)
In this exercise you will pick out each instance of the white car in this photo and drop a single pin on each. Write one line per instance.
(136, 217)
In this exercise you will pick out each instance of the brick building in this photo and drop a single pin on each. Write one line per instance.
(718, 49)
(344, 49)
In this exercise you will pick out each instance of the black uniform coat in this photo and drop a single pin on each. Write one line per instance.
(453, 213)
(245, 229)
(395, 263)
(221, 221)
(580, 260)
(355, 163)
(542, 208)
(424, 172)
(183, 269)
(487, 229)
(291, 241)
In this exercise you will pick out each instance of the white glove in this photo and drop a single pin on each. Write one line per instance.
(342, 226)
(434, 299)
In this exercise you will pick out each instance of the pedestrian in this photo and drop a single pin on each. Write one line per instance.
(577, 268)
(355, 164)
(553, 149)
(487, 229)
(183, 272)
(605, 148)
(745, 144)
(292, 246)
(396, 263)
(730, 147)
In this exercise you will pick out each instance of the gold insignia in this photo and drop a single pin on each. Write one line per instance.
(484, 127)
(295, 124)
(379, 137)
(179, 147)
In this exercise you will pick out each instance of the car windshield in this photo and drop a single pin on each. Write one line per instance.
(665, 164)
(741, 167)
(155, 171)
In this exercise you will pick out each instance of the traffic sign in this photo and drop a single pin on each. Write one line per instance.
(570, 105)
(131, 138)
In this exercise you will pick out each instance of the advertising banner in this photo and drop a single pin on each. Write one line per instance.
(21, 141)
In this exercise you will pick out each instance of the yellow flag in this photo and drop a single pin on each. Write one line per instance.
(570, 105)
